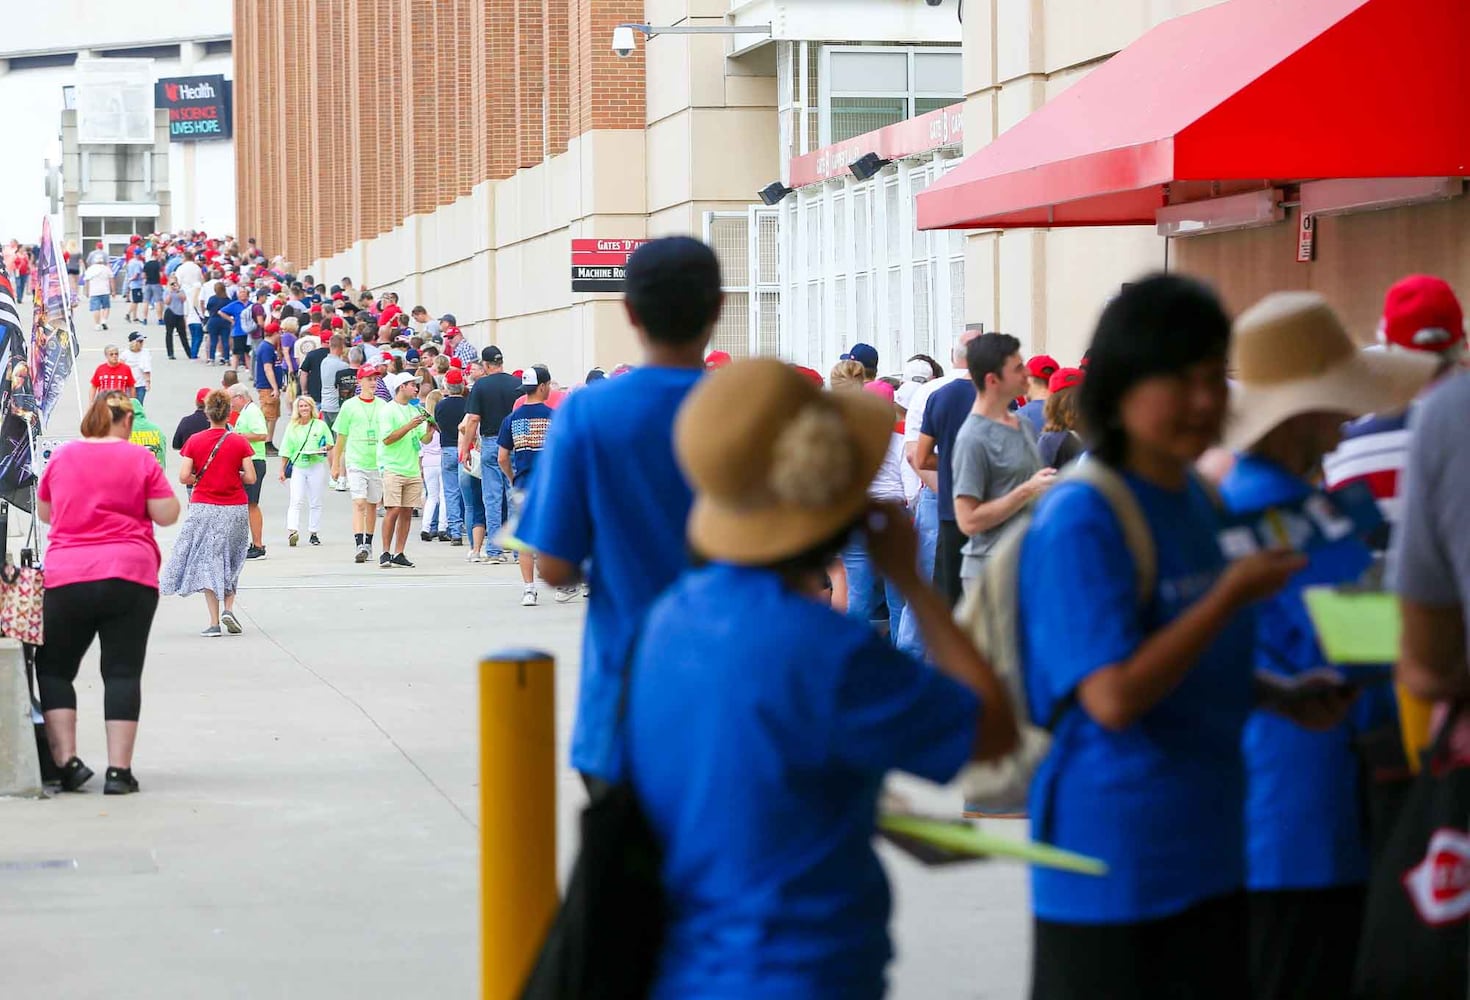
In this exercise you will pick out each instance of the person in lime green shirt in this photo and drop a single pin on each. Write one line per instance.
(250, 424)
(147, 433)
(399, 441)
(304, 448)
(357, 440)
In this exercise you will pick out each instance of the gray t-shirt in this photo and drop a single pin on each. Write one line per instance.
(1429, 562)
(331, 365)
(990, 460)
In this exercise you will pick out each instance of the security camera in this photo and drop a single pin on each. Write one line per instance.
(623, 41)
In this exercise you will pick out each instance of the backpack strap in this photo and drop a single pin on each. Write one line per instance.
(1136, 534)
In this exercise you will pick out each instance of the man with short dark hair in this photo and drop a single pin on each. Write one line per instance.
(607, 491)
(997, 467)
(490, 402)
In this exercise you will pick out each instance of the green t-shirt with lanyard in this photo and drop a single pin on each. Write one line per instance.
(402, 456)
(252, 421)
(358, 423)
(307, 444)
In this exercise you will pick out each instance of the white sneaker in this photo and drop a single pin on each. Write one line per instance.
(528, 598)
(565, 595)
(474, 556)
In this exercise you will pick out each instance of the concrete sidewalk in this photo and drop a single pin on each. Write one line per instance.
(308, 820)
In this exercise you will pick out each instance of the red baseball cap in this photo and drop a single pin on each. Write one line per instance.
(1421, 313)
(1065, 378)
(1042, 366)
(454, 376)
(337, 323)
(273, 327)
(199, 397)
(811, 375)
(367, 371)
(453, 331)
(276, 287)
(456, 364)
(717, 359)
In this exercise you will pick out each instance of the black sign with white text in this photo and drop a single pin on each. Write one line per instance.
(199, 107)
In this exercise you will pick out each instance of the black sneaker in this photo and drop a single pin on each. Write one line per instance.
(426, 536)
(120, 781)
(456, 541)
(314, 540)
(255, 552)
(402, 560)
(385, 560)
(75, 774)
(443, 536)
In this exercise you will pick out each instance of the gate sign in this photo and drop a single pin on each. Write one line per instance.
(601, 265)
(199, 107)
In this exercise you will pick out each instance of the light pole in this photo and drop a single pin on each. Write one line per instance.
(623, 38)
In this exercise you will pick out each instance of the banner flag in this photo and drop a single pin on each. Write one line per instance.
(18, 410)
(54, 346)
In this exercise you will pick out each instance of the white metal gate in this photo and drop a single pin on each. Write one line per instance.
(855, 268)
(748, 247)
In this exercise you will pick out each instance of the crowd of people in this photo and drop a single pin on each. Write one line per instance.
(772, 587)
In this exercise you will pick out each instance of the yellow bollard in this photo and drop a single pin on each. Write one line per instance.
(518, 894)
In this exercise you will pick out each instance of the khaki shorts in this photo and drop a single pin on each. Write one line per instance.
(402, 491)
(365, 484)
(270, 403)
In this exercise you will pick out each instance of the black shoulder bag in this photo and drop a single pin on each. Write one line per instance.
(605, 940)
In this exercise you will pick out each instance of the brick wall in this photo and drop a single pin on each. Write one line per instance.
(351, 115)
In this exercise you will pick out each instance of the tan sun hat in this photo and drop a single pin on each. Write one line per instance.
(1291, 355)
(777, 465)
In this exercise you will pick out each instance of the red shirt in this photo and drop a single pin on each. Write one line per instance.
(109, 377)
(221, 484)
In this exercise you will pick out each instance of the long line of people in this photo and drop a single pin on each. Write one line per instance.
(1199, 747)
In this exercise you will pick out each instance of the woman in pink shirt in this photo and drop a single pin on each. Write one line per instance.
(101, 496)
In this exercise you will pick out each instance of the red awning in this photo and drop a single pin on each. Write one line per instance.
(1249, 90)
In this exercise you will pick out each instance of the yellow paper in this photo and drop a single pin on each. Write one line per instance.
(1355, 627)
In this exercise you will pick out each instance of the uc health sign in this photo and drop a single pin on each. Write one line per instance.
(199, 107)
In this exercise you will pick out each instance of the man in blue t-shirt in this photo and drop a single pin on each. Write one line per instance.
(608, 493)
(943, 418)
(269, 372)
(521, 440)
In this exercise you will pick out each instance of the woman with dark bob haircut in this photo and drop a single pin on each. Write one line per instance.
(1149, 695)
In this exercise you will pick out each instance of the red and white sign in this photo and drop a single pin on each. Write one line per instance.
(934, 130)
(603, 252)
(1439, 886)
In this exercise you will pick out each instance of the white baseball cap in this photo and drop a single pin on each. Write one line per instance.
(395, 382)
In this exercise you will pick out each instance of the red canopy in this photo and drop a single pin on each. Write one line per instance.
(1249, 90)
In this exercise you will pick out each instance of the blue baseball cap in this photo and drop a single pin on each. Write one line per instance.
(864, 354)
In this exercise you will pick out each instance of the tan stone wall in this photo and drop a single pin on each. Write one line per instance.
(1048, 286)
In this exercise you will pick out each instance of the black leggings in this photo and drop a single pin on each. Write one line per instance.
(121, 613)
(173, 324)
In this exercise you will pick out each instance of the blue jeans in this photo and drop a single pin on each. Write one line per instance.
(926, 523)
(492, 481)
(140, 391)
(473, 498)
(196, 338)
(453, 500)
(865, 588)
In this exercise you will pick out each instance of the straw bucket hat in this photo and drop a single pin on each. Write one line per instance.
(1291, 355)
(777, 465)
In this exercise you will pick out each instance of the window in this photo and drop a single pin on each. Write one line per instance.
(218, 47)
(43, 61)
(870, 87)
(142, 52)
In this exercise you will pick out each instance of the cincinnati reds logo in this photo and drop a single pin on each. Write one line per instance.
(1439, 886)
